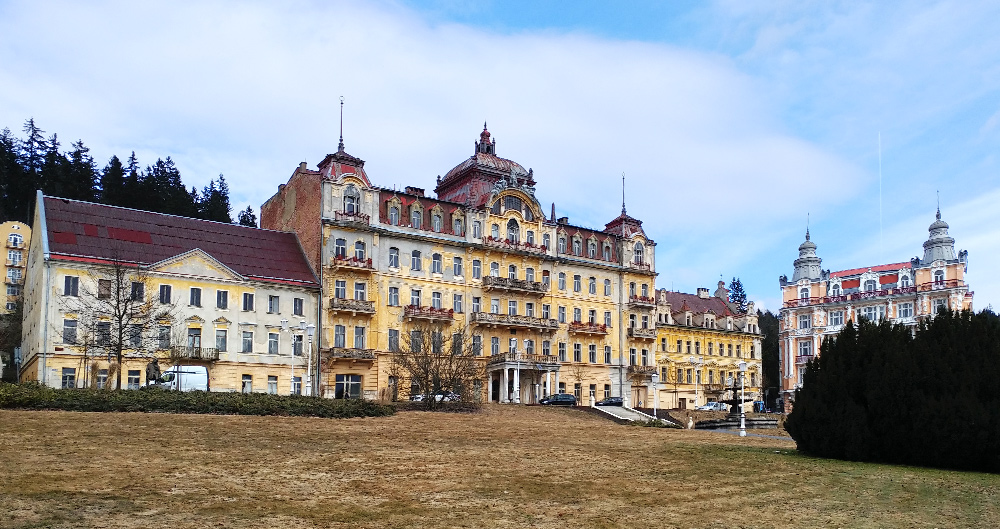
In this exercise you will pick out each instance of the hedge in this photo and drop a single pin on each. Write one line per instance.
(34, 396)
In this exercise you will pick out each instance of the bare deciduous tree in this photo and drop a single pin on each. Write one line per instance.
(430, 361)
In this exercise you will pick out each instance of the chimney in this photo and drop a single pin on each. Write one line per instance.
(418, 191)
(703, 293)
(303, 166)
(563, 220)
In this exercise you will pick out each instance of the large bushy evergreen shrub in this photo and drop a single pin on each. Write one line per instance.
(878, 393)
(38, 397)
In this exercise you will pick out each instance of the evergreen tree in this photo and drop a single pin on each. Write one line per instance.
(132, 187)
(31, 156)
(113, 183)
(769, 356)
(736, 294)
(13, 205)
(247, 218)
(214, 203)
(80, 174)
(54, 168)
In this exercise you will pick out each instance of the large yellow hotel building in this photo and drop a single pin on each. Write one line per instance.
(551, 306)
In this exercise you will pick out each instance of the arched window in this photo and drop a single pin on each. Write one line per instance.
(513, 231)
(939, 276)
(457, 227)
(15, 240)
(359, 251)
(592, 250)
(607, 252)
(495, 269)
(352, 200)
(904, 281)
(394, 215)
(638, 253)
(562, 244)
(835, 290)
(416, 218)
(436, 223)
(870, 285)
(512, 272)
(804, 293)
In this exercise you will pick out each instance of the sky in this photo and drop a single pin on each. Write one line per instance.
(736, 123)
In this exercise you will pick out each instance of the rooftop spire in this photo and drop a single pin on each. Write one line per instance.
(939, 205)
(807, 226)
(623, 193)
(340, 146)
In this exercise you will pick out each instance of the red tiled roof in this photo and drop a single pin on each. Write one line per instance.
(695, 304)
(84, 229)
(880, 268)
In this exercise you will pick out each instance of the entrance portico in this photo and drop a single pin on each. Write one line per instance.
(518, 378)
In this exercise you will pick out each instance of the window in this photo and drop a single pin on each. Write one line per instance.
(272, 343)
(546, 347)
(195, 298)
(592, 317)
(416, 341)
(14, 276)
(639, 259)
(562, 244)
(436, 300)
(71, 286)
(530, 237)
(339, 336)
(495, 306)
(272, 305)
(938, 306)
(476, 304)
(607, 318)
(729, 348)
(870, 285)
(645, 290)
(340, 248)
(495, 269)
(393, 340)
(457, 227)
(577, 353)
(529, 347)
(688, 347)
(512, 307)
(477, 269)
(477, 345)
(359, 337)
(415, 297)
(477, 229)
(577, 247)
(415, 260)
(546, 311)
(15, 240)
(340, 289)
(592, 249)
(631, 356)
(688, 375)
(247, 302)
(529, 309)
(577, 314)
(163, 336)
(394, 215)
(834, 291)
(456, 267)
(545, 279)
(805, 347)
(607, 252)
(562, 314)
(272, 384)
(592, 353)
(529, 274)
(135, 336)
(359, 251)
(592, 285)
(738, 353)
(837, 317)
(803, 321)
(562, 351)
(359, 291)
(607, 287)
(296, 385)
(102, 378)
(631, 290)
(906, 310)
(416, 219)
(393, 257)
(103, 288)
(69, 331)
(644, 356)
(546, 241)
(873, 313)
(904, 281)
(710, 348)
(164, 294)
(436, 223)
(495, 231)
(247, 384)
(645, 321)
(103, 333)
(247, 346)
(562, 280)
(68, 377)
(297, 305)
(494, 346)
(607, 354)
(351, 199)
(221, 299)
(134, 379)
(576, 283)
(697, 348)
(939, 276)
(513, 231)
(221, 340)
(457, 303)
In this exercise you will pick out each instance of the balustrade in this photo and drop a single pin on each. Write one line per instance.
(515, 320)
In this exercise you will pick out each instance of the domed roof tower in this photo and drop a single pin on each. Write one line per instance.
(807, 266)
(939, 245)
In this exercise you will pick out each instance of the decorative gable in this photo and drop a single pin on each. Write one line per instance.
(196, 263)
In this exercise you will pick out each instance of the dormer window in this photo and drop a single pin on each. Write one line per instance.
(688, 319)
(352, 200)
(904, 281)
(394, 215)
(638, 253)
(804, 293)
(416, 219)
(513, 231)
(870, 285)
(607, 252)
(562, 244)
(577, 247)
(457, 227)
(436, 223)
(592, 250)
(835, 290)
(939, 277)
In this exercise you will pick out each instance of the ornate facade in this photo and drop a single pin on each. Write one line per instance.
(818, 303)
(548, 303)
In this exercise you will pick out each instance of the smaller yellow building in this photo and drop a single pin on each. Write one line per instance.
(18, 238)
(109, 289)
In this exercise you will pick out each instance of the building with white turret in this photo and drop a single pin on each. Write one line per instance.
(818, 303)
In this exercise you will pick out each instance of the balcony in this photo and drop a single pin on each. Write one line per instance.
(428, 314)
(508, 245)
(639, 333)
(513, 285)
(579, 327)
(641, 302)
(515, 321)
(352, 263)
(354, 306)
(356, 217)
(640, 267)
(714, 389)
(12, 263)
(15, 245)
(803, 359)
(523, 359)
(871, 294)
(209, 354)
(348, 353)
(940, 285)
(642, 370)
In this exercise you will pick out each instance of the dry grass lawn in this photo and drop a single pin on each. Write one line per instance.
(504, 467)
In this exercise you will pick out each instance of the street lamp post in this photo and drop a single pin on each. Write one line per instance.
(655, 378)
(743, 423)
(310, 329)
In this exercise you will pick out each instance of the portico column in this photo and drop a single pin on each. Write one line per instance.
(548, 382)
(504, 395)
(517, 385)
(555, 389)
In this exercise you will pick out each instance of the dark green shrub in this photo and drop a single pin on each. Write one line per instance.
(878, 393)
(37, 397)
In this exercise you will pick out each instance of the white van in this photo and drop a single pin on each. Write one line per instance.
(185, 378)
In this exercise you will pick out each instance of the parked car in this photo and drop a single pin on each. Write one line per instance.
(610, 401)
(439, 396)
(714, 406)
(559, 399)
(182, 378)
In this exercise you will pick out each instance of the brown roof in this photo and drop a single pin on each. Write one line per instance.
(94, 231)
(694, 303)
(880, 268)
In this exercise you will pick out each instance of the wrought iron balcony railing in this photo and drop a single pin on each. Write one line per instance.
(641, 302)
(353, 263)
(514, 285)
(522, 358)
(194, 353)
(430, 314)
(507, 244)
(642, 334)
(871, 294)
(355, 217)
(518, 321)
(354, 306)
(642, 370)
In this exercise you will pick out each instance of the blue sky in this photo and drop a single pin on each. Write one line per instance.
(732, 120)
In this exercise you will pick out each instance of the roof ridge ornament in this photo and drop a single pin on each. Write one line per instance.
(623, 192)
(340, 146)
